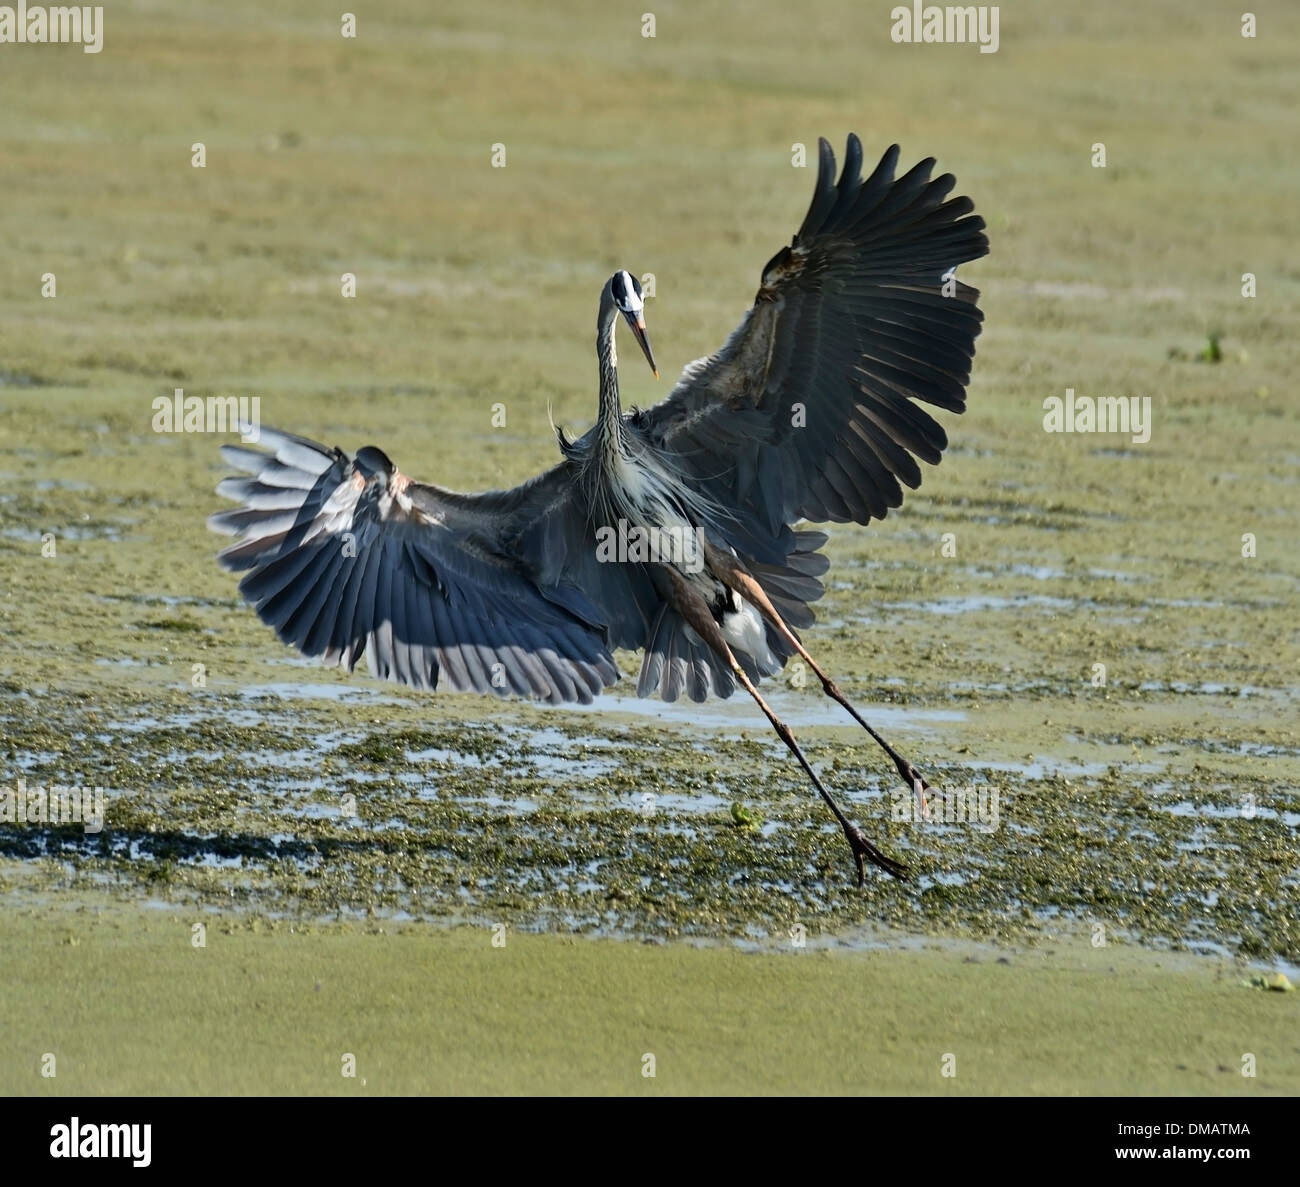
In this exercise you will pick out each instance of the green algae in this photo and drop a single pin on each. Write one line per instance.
(555, 827)
(165, 1001)
(1161, 804)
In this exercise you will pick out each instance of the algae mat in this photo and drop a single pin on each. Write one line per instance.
(1093, 638)
(126, 1003)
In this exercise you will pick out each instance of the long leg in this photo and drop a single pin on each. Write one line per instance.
(735, 577)
(693, 609)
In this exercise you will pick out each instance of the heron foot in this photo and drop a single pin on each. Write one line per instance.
(864, 850)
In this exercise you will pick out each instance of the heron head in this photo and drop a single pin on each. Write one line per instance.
(626, 292)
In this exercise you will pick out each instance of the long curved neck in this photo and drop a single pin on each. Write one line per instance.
(609, 422)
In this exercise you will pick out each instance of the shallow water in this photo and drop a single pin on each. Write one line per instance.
(484, 814)
(1073, 622)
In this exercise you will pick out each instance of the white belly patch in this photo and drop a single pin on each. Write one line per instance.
(744, 631)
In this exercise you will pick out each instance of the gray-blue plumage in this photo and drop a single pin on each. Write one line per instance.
(808, 412)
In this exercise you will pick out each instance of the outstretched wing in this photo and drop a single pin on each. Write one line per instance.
(808, 411)
(347, 557)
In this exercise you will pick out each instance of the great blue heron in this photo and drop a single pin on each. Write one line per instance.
(806, 413)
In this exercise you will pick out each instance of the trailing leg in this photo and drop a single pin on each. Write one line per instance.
(732, 574)
(693, 609)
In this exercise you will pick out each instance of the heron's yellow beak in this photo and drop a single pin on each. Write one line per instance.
(637, 323)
